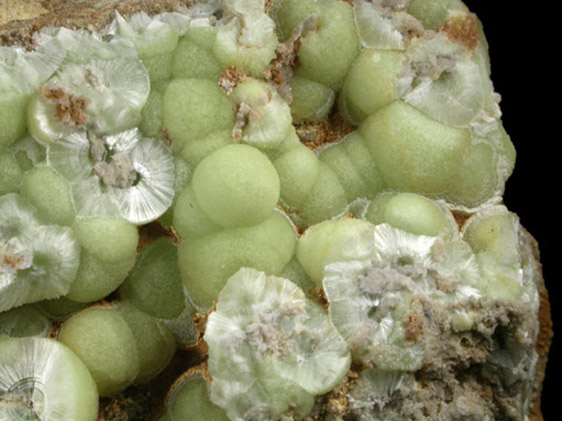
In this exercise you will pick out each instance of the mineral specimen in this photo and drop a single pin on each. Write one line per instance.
(268, 210)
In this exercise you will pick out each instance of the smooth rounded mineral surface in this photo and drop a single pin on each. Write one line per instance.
(236, 186)
(105, 343)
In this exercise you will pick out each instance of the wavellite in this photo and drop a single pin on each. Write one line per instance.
(302, 197)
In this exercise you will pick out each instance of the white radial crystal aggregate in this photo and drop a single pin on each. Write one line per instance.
(28, 148)
(248, 39)
(81, 46)
(37, 262)
(150, 36)
(16, 217)
(442, 79)
(382, 28)
(266, 117)
(369, 297)
(102, 95)
(23, 71)
(41, 379)
(374, 389)
(270, 348)
(124, 175)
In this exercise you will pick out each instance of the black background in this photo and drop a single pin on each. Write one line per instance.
(523, 38)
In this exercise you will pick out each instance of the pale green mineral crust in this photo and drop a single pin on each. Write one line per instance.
(303, 197)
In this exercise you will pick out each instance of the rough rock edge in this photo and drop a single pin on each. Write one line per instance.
(80, 14)
(94, 14)
(544, 339)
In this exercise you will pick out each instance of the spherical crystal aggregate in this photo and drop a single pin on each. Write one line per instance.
(363, 224)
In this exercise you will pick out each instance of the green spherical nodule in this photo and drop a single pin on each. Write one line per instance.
(10, 173)
(193, 61)
(97, 278)
(13, 108)
(194, 108)
(414, 152)
(311, 100)
(326, 54)
(236, 186)
(370, 83)
(155, 342)
(50, 194)
(104, 342)
(189, 400)
(409, 212)
(155, 285)
(332, 241)
(298, 170)
(111, 240)
(206, 263)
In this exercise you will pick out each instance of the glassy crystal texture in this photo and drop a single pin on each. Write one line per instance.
(42, 379)
(270, 348)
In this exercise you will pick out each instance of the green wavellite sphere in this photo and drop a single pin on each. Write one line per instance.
(154, 342)
(50, 194)
(411, 212)
(11, 173)
(192, 60)
(97, 278)
(236, 186)
(189, 398)
(327, 54)
(12, 116)
(370, 83)
(105, 343)
(155, 284)
(111, 240)
(194, 108)
(412, 151)
(206, 263)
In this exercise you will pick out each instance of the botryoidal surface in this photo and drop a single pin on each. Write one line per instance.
(318, 188)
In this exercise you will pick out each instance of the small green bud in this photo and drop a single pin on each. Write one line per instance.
(189, 399)
(332, 241)
(311, 100)
(412, 213)
(154, 342)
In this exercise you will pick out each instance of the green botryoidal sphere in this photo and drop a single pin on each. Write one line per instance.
(189, 398)
(183, 168)
(236, 186)
(103, 340)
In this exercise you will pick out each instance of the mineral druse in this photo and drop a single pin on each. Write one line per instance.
(289, 209)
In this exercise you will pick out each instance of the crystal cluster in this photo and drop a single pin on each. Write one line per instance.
(168, 182)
